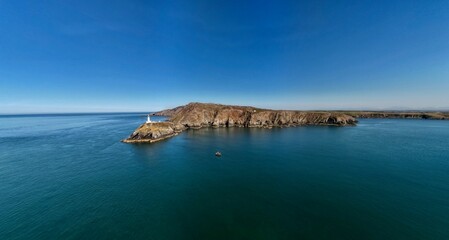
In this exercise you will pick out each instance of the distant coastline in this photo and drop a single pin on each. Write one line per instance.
(399, 114)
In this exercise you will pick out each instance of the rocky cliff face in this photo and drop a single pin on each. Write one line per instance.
(198, 115)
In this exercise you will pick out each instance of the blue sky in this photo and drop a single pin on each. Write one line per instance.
(87, 56)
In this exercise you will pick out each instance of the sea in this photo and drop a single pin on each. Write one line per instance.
(68, 176)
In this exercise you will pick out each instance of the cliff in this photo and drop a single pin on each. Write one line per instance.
(198, 115)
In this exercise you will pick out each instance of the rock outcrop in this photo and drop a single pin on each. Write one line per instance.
(199, 115)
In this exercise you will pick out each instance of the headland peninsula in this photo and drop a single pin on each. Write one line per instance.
(200, 115)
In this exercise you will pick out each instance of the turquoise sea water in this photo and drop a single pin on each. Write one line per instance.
(70, 177)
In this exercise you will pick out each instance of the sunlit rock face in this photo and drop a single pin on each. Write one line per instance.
(195, 115)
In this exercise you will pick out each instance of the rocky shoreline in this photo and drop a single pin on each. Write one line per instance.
(200, 115)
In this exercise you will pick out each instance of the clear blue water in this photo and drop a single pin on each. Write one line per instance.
(70, 177)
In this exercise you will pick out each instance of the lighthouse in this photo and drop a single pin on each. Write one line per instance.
(148, 119)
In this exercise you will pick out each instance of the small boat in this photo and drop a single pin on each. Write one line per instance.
(218, 154)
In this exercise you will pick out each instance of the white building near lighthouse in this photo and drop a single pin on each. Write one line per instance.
(148, 119)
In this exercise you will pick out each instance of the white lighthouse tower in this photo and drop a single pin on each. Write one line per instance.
(148, 119)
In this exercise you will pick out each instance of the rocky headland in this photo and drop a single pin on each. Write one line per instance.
(200, 115)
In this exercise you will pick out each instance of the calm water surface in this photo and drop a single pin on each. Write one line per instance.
(70, 177)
